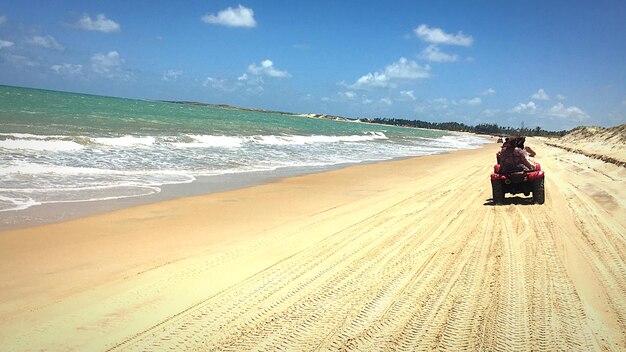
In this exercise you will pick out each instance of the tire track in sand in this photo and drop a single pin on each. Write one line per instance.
(321, 254)
(478, 278)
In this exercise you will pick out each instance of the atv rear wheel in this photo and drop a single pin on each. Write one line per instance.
(539, 195)
(498, 193)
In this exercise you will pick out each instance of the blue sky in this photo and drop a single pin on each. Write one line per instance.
(554, 64)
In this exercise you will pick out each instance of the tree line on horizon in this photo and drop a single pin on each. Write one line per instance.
(483, 128)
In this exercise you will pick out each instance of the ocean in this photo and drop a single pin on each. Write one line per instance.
(59, 147)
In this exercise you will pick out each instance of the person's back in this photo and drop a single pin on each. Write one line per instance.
(513, 159)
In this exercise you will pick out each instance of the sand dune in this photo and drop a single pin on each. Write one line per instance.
(405, 255)
(608, 144)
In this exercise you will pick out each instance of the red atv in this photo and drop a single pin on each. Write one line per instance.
(518, 182)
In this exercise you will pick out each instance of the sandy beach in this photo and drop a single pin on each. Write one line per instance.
(402, 255)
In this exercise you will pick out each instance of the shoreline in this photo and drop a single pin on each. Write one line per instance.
(154, 225)
(51, 213)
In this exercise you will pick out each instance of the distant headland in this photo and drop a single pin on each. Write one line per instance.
(229, 107)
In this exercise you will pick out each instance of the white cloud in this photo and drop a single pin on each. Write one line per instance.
(386, 101)
(67, 69)
(568, 112)
(5, 44)
(3, 20)
(350, 95)
(434, 54)
(489, 91)
(527, 108)
(473, 101)
(232, 17)
(561, 97)
(209, 81)
(372, 80)
(47, 42)
(244, 82)
(367, 101)
(171, 75)
(107, 64)
(408, 94)
(403, 69)
(267, 68)
(100, 24)
(251, 84)
(218, 83)
(540, 95)
(347, 95)
(406, 69)
(438, 36)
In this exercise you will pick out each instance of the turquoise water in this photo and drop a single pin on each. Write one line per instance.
(64, 147)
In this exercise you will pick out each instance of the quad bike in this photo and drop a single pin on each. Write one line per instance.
(525, 182)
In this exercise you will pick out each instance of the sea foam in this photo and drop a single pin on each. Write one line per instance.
(40, 144)
(125, 141)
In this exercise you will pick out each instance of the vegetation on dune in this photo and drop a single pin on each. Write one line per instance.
(483, 128)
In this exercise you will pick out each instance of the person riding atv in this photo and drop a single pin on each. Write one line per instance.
(515, 173)
(513, 158)
(518, 141)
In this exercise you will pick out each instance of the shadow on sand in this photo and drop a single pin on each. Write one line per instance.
(511, 200)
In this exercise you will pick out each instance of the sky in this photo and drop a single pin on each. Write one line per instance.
(552, 64)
